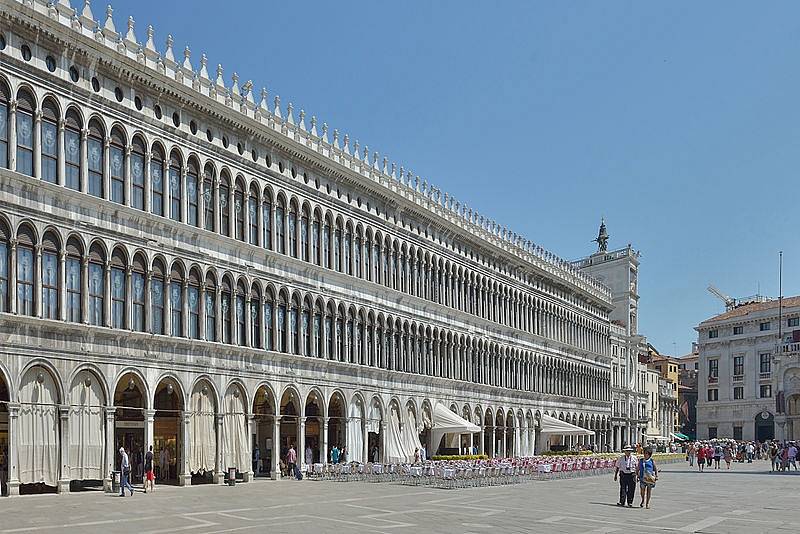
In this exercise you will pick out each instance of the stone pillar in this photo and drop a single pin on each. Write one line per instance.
(126, 177)
(249, 474)
(481, 441)
(364, 438)
(110, 445)
(276, 449)
(129, 298)
(149, 420)
(384, 440)
(219, 469)
(37, 281)
(12, 276)
(301, 442)
(148, 186)
(60, 161)
(62, 286)
(323, 452)
(84, 161)
(184, 475)
(85, 289)
(12, 136)
(107, 299)
(13, 444)
(37, 144)
(64, 474)
(106, 168)
(201, 308)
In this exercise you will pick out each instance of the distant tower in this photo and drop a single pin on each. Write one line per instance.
(602, 237)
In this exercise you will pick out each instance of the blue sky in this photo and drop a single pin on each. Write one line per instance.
(676, 121)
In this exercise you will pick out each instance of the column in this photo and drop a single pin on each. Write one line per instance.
(149, 420)
(184, 216)
(364, 438)
(167, 304)
(37, 282)
(217, 209)
(12, 275)
(201, 297)
(301, 442)
(219, 471)
(106, 168)
(323, 452)
(220, 313)
(84, 159)
(63, 478)
(481, 441)
(85, 289)
(110, 452)
(148, 189)
(248, 329)
(37, 144)
(60, 162)
(129, 297)
(148, 315)
(12, 136)
(249, 474)
(276, 450)
(13, 443)
(184, 475)
(384, 440)
(107, 294)
(126, 176)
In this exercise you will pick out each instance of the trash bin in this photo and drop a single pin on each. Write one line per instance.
(231, 476)
(115, 481)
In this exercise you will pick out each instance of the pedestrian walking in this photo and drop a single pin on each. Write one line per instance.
(750, 452)
(149, 476)
(256, 458)
(717, 455)
(728, 455)
(625, 471)
(125, 472)
(691, 453)
(309, 456)
(291, 461)
(701, 458)
(647, 475)
(791, 456)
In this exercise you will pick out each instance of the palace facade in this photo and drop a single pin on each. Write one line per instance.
(183, 266)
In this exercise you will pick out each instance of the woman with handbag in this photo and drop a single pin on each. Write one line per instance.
(648, 474)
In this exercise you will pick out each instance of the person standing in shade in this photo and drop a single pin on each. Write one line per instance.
(256, 458)
(125, 472)
(625, 471)
(163, 463)
(309, 457)
(291, 461)
(335, 455)
(423, 454)
(149, 476)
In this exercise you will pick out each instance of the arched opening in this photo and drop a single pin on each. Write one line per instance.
(39, 433)
(374, 424)
(87, 431)
(337, 426)
(264, 420)
(792, 419)
(488, 433)
(764, 426)
(500, 429)
(235, 440)
(356, 426)
(314, 414)
(4, 437)
(425, 431)
(203, 433)
(289, 428)
(129, 400)
(167, 449)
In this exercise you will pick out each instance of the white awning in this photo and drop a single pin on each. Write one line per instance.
(446, 422)
(551, 425)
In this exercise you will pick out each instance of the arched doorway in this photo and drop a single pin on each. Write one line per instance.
(289, 429)
(510, 434)
(129, 400)
(202, 433)
(793, 417)
(314, 413)
(235, 439)
(500, 434)
(355, 432)
(39, 435)
(337, 426)
(87, 431)
(374, 420)
(488, 433)
(764, 426)
(264, 440)
(425, 427)
(167, 436)
(4, 437)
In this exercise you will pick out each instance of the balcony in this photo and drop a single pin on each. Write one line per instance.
(713, 379)
(791, 348)
(765, 376)
(738, 378)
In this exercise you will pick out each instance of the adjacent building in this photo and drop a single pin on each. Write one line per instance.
(749, 371)
(687, 393)
(184, 264)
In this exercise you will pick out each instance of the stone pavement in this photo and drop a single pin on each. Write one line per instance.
(747, 499)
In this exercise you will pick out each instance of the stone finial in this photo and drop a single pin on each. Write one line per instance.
(247, 88)
(355, 150)
(150, 45)
(109, 25)
(131, 35)
(235, 85)
(302, 121)
(290, 113)
(87, 10)
(168, 55)
(262, 105)
(346, 146)
(336, 138)
(314, 125)
(394, 168)
(277, 109)
(187, 53)
(220, 80)
(203, 66)
(325, 132)
(416, 182)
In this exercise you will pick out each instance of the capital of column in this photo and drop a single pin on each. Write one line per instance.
(63, 411)
(218, 417)
(111, 412)
(149, 415)
(13, 409)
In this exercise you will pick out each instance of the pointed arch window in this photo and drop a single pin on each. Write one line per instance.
(193, 192)
(193, 300)
(241, 331)
(49, 144)
(279, 226)
(137, 174)
(4, 128)
(157, 296)
(74, 302)
(5, 236)
(119, 289)
(176, 301)
(292, 230)
(96, 285)
(227, 326)
(304, 236)
(175, 186)
(255, 317)
(281, 324)
(326, 245)
(95, 152)
(266, 218)
(348, 240)
(268, 333)
(72, 150)
(315, 240)
(25, 108)
(340, 341)
(252, 216)
(116, 165)
(50, 277)
(209, 203)
(211, 308)
(157, 182)
(239, 210)
(25, 271)
(224, 207)
(138, 299)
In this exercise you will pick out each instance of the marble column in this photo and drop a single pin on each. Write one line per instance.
(323, 452)
(481, 441)
(184, 475)
(219, 469)
(64, 474)
(149, 420)
(276, 449)
(110, 445)
(301, 442)
(13, 444)
(249, 474)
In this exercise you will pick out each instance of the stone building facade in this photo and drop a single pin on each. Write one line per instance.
(183, 266)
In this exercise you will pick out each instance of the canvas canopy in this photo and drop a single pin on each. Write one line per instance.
(551, 425)
(446, 422)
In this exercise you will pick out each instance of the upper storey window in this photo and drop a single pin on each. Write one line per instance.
(137, 173)
(209, 202)
(25, 270)
(193, 192)
(95, 154)
(224, 204)
(49, 145)
(157, 181)
(279, 225)
(72, 150)
(3, 125)
(25, 109)
(116, 162)
(175, 185)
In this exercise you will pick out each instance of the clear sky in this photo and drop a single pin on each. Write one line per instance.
(677, 121)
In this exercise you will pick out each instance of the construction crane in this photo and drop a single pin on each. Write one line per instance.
(730, 302)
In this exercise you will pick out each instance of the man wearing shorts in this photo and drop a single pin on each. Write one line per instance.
(149, 476)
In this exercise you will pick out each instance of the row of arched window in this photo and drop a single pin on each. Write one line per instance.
(87, 284)
(147, 176)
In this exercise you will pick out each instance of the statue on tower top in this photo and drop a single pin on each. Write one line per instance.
(602, 237)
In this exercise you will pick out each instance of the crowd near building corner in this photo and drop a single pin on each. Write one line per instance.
(189, 265)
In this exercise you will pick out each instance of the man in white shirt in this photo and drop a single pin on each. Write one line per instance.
(626, 472)
(125, 472)
(792, 456)
(750, 452)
